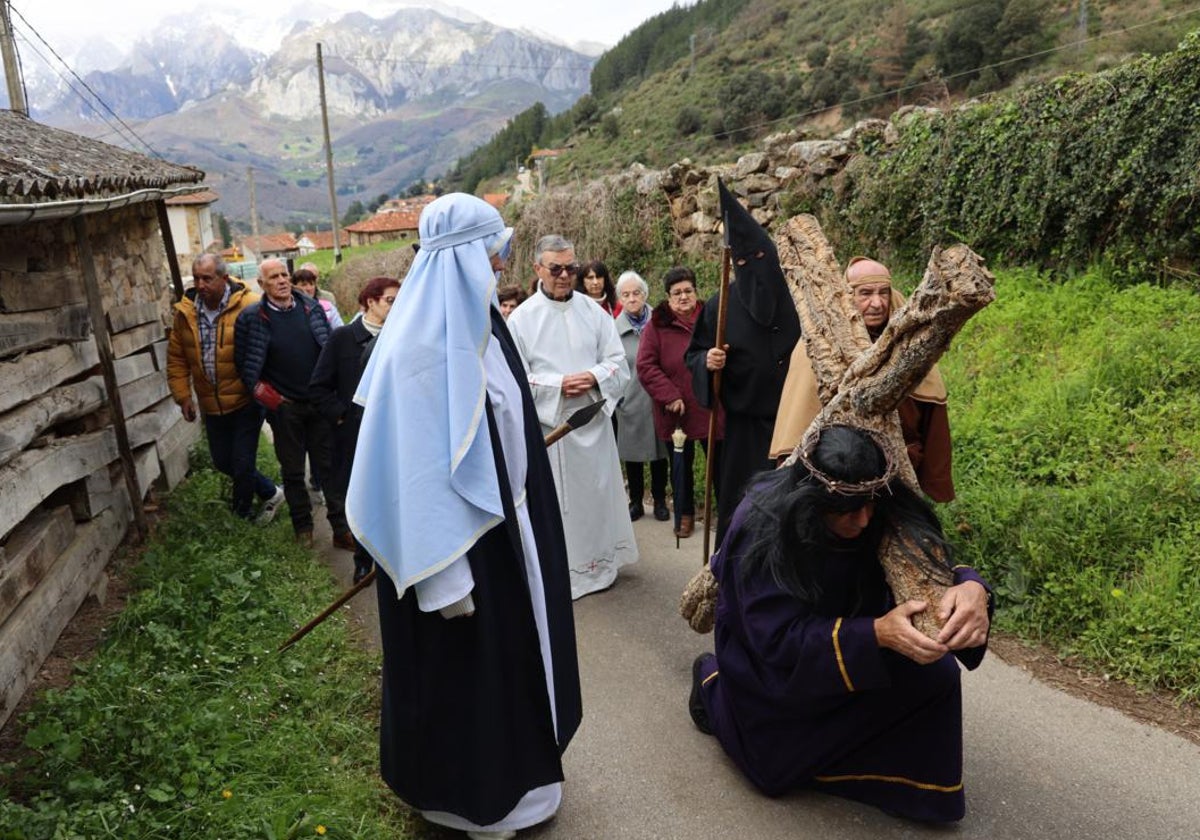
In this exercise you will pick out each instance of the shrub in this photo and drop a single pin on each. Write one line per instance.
(1075, 409)
(689, 121)
(1057, 174)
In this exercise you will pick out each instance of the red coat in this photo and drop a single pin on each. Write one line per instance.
(662, 372)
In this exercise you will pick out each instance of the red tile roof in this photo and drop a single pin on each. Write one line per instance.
(269, 242)
(202, 197)
(322, 240)
(415, 204)
(386, 221)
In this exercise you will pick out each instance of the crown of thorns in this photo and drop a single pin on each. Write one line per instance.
(846, 488)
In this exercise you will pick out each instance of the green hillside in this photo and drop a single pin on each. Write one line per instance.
(706, 80)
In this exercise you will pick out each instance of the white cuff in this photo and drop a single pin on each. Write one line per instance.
(463, 606)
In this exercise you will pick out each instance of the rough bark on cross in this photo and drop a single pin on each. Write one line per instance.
(861, 383)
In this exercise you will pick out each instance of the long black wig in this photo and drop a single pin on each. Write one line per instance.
(786, 522)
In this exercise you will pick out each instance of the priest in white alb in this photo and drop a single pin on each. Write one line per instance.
(574, 356)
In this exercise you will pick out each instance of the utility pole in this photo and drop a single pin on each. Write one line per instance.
(253, 204)
(12, 68)
(337, 245)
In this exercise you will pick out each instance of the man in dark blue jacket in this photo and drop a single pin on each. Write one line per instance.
(277, 342)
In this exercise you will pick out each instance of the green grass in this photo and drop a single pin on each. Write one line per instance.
(1075, 411)
(324, 259)
(187, 724)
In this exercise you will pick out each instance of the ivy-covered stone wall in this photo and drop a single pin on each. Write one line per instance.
(1103, 166)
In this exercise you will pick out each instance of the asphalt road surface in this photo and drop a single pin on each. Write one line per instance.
(1039, 764)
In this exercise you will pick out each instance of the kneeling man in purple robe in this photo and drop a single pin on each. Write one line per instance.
(820, 680)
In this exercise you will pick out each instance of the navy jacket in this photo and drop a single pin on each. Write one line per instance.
(335, 378)
(252, 335)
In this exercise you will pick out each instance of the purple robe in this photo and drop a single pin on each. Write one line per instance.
(803, 696)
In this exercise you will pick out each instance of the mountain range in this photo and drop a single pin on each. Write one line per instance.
(406, 95)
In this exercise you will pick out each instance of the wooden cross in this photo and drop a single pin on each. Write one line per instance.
(861, 383)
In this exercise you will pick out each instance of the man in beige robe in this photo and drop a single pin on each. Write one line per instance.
(923, 417)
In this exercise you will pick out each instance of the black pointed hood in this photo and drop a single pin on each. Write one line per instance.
(759, 284)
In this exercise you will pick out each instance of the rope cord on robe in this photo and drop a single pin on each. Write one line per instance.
(578, 419)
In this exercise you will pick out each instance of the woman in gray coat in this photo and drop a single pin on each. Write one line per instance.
(636, 441)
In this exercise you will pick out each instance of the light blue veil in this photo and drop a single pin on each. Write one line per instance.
(424, 487)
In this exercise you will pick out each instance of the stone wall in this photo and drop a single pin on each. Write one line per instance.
(788, 165)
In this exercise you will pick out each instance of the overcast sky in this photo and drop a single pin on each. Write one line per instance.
(67, 23)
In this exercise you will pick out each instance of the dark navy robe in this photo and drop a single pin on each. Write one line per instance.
(466, 725)
(805, 697)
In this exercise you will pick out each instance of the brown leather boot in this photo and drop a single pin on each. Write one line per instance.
(686, 524)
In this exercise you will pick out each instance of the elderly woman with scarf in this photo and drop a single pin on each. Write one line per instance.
(665, 376)
(820, 680)
(636, 440)
(453, 496)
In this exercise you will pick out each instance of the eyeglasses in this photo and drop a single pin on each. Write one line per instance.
(555, 269)
(680, 293)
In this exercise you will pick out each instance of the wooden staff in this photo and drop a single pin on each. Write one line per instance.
(581, 417)
(367, 580)
(722, 314)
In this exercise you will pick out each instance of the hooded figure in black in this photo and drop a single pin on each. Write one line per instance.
(761, 329)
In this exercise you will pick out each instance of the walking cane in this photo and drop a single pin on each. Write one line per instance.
(577, 420)
(722, 314)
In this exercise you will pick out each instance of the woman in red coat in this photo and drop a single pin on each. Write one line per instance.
(668, 381)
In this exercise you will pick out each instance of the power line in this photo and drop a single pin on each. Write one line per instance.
(113, 129)
(356, 58)
(87, 87)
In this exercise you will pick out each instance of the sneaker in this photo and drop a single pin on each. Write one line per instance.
(270, 507)
(316, 498)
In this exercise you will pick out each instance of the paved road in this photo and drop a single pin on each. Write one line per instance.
(1039, 764)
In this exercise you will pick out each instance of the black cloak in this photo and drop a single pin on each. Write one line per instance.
(761, 329)
(466, 725)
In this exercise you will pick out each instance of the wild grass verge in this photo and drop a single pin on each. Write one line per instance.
(1075, 411)
(187, 724)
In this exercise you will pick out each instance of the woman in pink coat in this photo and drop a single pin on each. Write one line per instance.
(668, 381)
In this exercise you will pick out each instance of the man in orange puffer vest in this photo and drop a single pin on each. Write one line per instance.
(200, 358)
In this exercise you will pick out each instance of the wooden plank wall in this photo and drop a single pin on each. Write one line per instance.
(64, 508)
